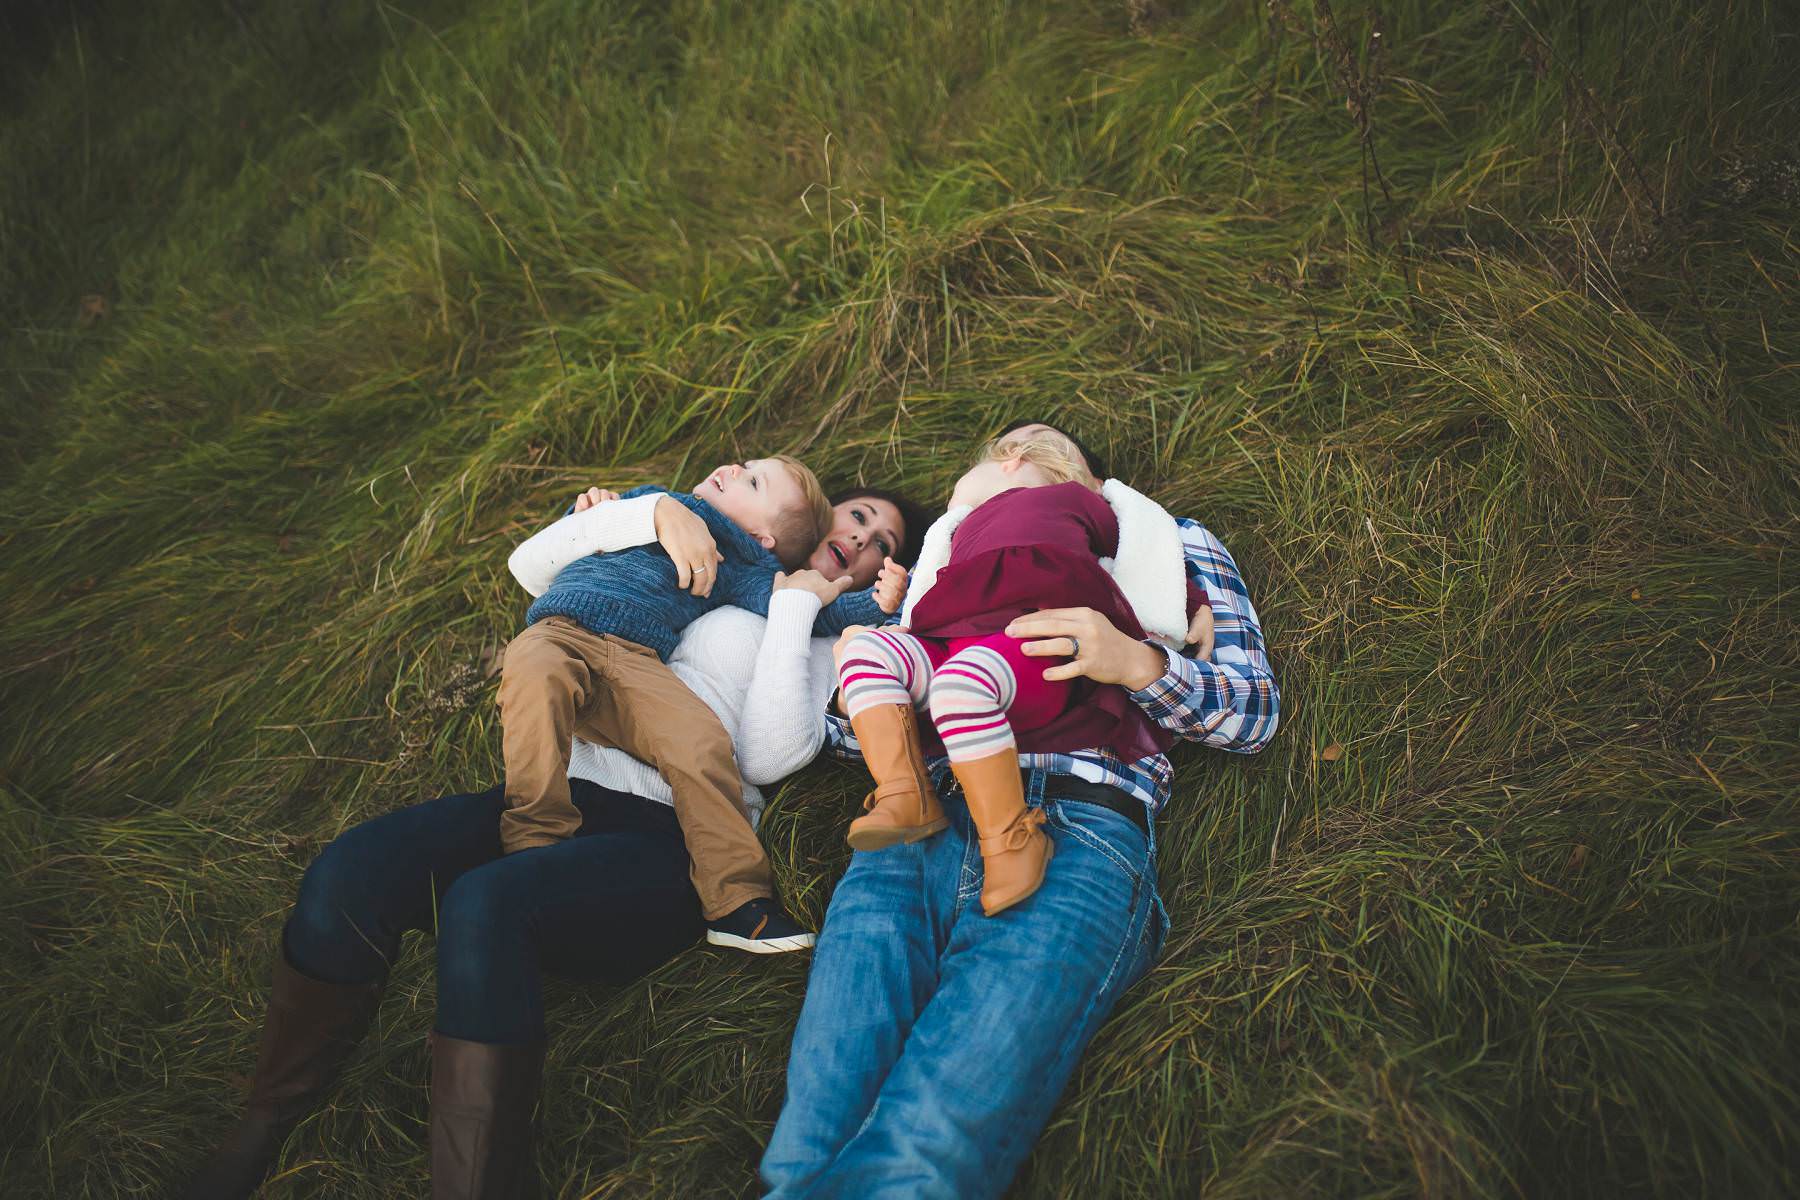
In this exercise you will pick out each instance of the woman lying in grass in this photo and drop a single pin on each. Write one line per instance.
(608, 904)
(592, 663)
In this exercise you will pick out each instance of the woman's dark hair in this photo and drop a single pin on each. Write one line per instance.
(1095, 464)
(914, 517)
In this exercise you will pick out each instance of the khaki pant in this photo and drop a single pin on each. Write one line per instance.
(559, 680)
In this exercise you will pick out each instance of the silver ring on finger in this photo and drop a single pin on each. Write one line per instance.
(1074, 647)
(701, 570)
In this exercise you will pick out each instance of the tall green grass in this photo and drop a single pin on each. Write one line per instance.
(1507, 455)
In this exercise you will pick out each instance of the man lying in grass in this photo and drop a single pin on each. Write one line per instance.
(593, 662)
(1028, 529)
(934, 1040)
(606, 904)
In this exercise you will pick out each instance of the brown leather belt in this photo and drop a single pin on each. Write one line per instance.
(1068, 787)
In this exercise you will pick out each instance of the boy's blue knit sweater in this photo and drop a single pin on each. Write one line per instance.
(633, 594)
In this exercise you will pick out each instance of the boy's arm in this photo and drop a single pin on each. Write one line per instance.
(1232, 702)
(612, 525)
(749, 587)
(851, 608)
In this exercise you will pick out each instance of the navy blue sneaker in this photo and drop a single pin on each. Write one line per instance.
(760, 927)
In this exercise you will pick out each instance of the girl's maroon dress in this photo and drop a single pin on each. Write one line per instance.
(1039, 548)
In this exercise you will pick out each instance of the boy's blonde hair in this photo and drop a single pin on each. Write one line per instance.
(796, 532)
(1045, 451)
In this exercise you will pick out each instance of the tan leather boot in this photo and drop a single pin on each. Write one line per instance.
(904, 806)
(1015, 851)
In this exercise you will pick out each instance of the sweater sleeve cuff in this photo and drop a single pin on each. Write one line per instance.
(791, 614)
(621, 524)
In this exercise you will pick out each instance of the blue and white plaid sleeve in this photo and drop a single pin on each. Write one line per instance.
(1232, 702)
(840, 739)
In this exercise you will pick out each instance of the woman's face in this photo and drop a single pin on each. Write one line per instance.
(863, 531)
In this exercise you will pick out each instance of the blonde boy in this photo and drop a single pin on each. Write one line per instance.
(593, 663)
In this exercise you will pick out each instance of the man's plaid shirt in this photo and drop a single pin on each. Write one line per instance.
(1230, 703)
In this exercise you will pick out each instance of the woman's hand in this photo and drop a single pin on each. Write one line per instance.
(1200, 634)
(843, 643)
(825, 589)
(837, 661)
(1096, 648)
(689, 545)
(593, 496)
(890, 587)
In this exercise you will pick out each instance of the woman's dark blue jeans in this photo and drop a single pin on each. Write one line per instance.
(607, 905)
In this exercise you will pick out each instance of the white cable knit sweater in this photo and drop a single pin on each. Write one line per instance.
(768, 680)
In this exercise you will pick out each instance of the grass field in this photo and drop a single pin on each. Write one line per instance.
(1476, 342)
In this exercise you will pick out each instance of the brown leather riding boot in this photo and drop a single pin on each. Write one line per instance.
(481, 1102)
(1015, 851)
(904, 806)
(309, 1031)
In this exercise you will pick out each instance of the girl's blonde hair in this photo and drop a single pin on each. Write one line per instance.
(1045, 451)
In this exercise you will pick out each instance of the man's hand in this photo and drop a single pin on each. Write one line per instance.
(890, 587)
(689, 545)
(592, 497)
(1200, 634)
(1096, 648)
(825, 589)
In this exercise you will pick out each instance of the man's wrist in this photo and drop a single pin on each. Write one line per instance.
(1152, 664)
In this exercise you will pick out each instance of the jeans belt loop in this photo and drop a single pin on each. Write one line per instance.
(1101, 795)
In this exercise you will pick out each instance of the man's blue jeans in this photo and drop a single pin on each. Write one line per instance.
(934, 1040)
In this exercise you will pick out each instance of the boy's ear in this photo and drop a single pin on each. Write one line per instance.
(767, 540)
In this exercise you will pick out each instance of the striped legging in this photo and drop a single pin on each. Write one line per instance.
(978, 690)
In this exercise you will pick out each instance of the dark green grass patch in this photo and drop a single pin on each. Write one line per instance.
(1476, 342)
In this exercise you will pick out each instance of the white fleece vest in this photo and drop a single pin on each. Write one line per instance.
(1150, 567)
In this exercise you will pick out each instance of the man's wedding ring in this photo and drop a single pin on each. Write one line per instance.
(1074, 647)
(697, 570)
